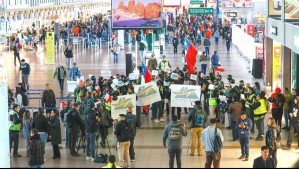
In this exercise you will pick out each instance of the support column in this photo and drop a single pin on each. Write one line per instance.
(269, 62)
(286, 68)
(121, 38)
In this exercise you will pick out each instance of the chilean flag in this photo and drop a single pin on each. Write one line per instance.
(191, 53)
(146, 74)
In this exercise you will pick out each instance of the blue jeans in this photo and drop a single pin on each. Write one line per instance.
(36, 166)
(286, 118)
(175, 153)
(61, 84)
(133, 41)
(227, 46)
(115, 57)
(259, 126)
(25, 81)
(244, 142)
(66, 137)
(90, 144)
(204, 68)
(217, 40)
(43, 137)
(207, 49)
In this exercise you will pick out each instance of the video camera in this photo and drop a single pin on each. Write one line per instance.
(230, 79)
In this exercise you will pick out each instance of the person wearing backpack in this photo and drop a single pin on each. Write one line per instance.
(123, 132)
(208, 139)
(134, 122)
(260, 111)
(277, 99)
(60, 73)
(90, 120)
(197, 119)
(272, 137)
(173, 134)
(294, 125)
(75, 72)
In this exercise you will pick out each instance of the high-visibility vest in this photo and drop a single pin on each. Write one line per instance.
(164, 65)
(212, 102)
(108, 106)
(12, 126)
(260, 110)
(250, 98)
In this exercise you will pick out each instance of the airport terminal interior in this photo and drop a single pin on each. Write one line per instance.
(40, 32)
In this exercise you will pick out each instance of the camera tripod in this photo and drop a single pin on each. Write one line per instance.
(81, 143)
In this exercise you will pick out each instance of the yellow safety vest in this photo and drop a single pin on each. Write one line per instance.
(260, 110)
(12, 126)
(164, 65)
(108, 106)
(212, 102)
(250, 98)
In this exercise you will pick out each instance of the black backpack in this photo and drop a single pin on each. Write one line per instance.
(279, 101)
(25, 99)
(127, 132)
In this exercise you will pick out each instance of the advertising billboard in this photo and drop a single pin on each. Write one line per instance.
(237, 4)
(276, 69)
(136, 14)
(274, 7)
(171, 3)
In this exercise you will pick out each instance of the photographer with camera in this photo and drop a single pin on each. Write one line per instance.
(76, 123)
(90, 121)
(244, 125)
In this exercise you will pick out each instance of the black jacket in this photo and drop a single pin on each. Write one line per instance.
(41, 123)
(134, 121)
(55, 130)
(68, 53)
(260, 163)
(36, 151)
(119, 130)
(90, 121)
(48, 98)
(76, 121)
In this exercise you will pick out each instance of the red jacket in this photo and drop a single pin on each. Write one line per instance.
(274, 96)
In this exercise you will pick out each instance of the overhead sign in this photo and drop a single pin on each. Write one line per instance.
(148, 93)
(194, 2)
(184, 95)
(203, 11)
(122, 104)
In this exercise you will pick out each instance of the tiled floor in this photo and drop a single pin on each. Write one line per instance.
(149, 150)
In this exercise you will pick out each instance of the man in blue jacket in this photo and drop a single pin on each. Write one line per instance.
(25, 68)
(75, 72)
(174, 132)
(244, 126)
(215, 60)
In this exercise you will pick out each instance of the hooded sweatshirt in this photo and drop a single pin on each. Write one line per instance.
(174, 143)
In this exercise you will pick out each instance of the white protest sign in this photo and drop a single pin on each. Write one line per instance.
(148, 93)
(193, 77)
(184, 95)
(121, 105)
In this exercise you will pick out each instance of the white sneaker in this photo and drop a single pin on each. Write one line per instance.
(157, 121)
(87, 158)
(133, 160)
(45, 160)
(162, 119)
(92, 159)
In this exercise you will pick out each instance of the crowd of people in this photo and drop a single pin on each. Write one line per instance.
(88, 116)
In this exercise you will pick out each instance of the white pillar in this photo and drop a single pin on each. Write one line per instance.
(121, 38)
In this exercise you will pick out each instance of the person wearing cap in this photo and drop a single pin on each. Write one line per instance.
(134, 121)
(48, 100)
(260, 108)
(15, 127)
(208, 139)
(25, 68)
(244, 125)
(123, 133)
(36, 150)
(152, 63)
(75, 72)
(60, 73)
(173, 134)
(164, 64)
(197, 119)
(75, 126)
